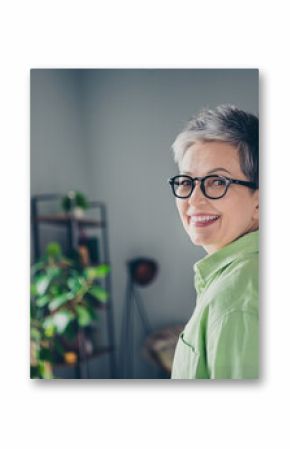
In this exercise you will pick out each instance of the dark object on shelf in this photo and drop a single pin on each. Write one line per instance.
(141, 272)
(75, 227)
(93, 251)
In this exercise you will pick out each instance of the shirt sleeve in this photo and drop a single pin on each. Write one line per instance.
(233, 346)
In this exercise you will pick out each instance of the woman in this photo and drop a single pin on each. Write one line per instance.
(217, 197)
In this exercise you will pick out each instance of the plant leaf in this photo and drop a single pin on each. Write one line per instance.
(99, 293)
(45, 370)
(84, 316)
(49, 327)
(33, 290)
(74, 284)
(36, 267)
(53, 272)
(42, 301)
(59, 301)
(35, 334)
(45, 354)
(55, 290)
(92, 312)
(53, 249)
(41, 284)
(61, 319)
(98, 272)
(70, 331)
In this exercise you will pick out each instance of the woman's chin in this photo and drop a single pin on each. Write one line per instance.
(203, 234)
(200, 239)
(197, 239)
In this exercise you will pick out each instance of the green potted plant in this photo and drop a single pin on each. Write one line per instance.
(75, 203)
(63, 299)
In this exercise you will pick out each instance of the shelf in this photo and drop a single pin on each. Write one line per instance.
(75, 228)
(64, 220)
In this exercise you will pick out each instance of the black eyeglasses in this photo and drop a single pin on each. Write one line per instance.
(212, 186)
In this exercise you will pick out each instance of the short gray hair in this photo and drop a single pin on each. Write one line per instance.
(225, 123)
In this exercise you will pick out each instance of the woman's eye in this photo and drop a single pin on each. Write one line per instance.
(219, 182)
(182, 183)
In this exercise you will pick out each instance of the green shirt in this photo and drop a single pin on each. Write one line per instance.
(221, 339)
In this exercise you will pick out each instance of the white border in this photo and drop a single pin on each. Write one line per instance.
(144, 34)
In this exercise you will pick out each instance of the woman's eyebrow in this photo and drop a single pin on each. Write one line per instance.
(219, 168)
(211, 171)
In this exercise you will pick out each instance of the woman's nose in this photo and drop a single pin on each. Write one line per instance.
(197, 195)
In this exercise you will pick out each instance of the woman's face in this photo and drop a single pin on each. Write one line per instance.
(237, 211)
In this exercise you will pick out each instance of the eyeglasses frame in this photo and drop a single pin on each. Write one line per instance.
(229, 181)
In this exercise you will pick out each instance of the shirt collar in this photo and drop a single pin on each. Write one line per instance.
(207, 267)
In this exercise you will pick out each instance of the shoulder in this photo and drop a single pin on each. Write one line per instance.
(235, 289)
(240, 276)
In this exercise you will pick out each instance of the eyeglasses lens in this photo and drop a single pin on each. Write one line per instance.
(182, 186)
(215, 186)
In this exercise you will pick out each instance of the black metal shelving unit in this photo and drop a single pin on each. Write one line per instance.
(73, 227)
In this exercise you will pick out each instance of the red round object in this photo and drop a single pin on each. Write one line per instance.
(143, 271)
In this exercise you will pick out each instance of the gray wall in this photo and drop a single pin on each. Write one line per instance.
(58, 153)
(59, 159)
(108, 133)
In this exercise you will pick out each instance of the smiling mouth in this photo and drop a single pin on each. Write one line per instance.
(203, 220)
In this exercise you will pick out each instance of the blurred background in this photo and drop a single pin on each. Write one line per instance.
(112, 268)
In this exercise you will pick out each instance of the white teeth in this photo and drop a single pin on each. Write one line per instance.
(203, 218)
